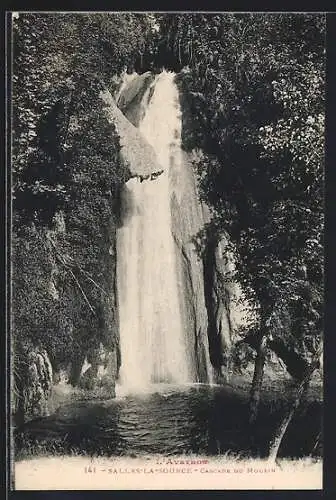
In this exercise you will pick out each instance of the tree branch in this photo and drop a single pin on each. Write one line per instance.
(300, 391)
(86, 274)
(82, 291)
(68, 266)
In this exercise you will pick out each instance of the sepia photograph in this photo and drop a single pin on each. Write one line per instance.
(167, 253)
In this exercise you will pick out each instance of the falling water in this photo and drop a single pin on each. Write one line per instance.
(152, 338)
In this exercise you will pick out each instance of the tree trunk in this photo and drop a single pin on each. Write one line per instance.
(301, 391)
(281, 430)
(257, 379)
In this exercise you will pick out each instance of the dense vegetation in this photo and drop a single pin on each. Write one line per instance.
(66, 179)
(254, 87)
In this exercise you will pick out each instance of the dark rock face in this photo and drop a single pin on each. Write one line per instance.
(208, 292)
(212, 302)
(96, 368)
(218, 291)
(34, 387)
(187, 220)
(100, 369)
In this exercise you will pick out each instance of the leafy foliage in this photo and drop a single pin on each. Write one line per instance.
(256, 86)
(66, 173)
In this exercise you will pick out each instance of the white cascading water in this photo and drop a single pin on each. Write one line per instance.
(152, 338)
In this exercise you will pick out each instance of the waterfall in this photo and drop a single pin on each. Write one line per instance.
(153, 340)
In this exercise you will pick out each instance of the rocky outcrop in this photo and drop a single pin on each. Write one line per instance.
(213, 302)
(131, 96)
(33, 381)
(100, 369)
(224, 314)
(187, 221)
(210, 294)
(136, 152)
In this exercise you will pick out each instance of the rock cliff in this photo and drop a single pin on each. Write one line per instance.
(137, 154)
(131, 96)
(187, 221)
(33, 389)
